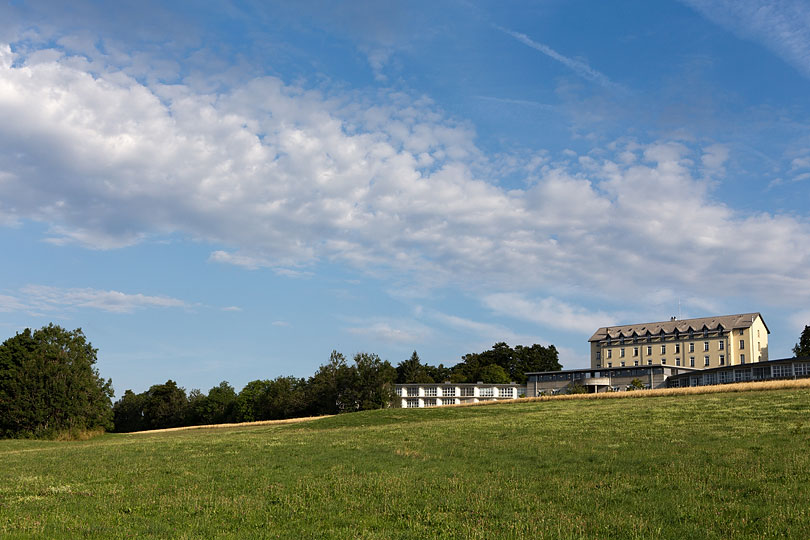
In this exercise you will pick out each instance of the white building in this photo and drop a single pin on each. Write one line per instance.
(438, 394)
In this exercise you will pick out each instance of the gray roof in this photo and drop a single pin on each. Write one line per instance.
(728, 322)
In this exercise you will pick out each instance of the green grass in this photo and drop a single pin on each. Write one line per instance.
(695, 466)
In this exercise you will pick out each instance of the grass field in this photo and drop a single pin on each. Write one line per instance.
(732, 465)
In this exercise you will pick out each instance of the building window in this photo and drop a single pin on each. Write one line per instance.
(742, 344)
(691, 361)
(598, 365)
(742, 358)
(621, 352)
(664, 361)
(449, 401)
(705, 345)
(691, 347)
(759, 347)
(430, 402)
(635, 351)
(635, 363)
(598, 355)
(721, 345)
(677, 361)
(705, 332)
(649, 362)
(622, 363)
(649, 350)
(610, 364)
(705, 360)
(449, 391)
(412, 403)
(663, 349)
(413, 391)
(757, 332)
(677, 348)
(722, 359)
(506, 392)
(740, 332)
(467, 391)
(431, 391)
(610, 353)
(486, 392)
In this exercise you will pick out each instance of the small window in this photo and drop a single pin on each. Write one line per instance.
(649, 362)
(691, 347)
(664, 361)
(721, 345)
(635, 351)
(663, 349)
(722, 359)
(691, 361)
(621, 352)
(598, 355)
(649, 350)
(635, 363)
(705, 345)
(740, 332)
(622, 363)
(677, 348)
(742, 344)
(705, 360)
(610, 364)
(677, 361)
(610, 353)
(742, 358)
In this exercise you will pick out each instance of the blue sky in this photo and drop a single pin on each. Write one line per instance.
(229, 191)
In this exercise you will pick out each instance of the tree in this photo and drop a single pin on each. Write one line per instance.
(49, 385)
(635, 384)
(575, 387)
(332, 387)
(413, 371)
(164, 406)
(802, 348)
(374, 381)
(493, 373)
(515, 362)
(128, 412)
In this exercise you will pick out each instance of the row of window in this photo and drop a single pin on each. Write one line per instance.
(720, 346)
(450, 391)
(676, 335)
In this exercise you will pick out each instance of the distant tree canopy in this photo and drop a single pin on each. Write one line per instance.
(336, 387)
(49, 385)
(500, 364)
(802, 348)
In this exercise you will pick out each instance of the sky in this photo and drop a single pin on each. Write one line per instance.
(231, 190)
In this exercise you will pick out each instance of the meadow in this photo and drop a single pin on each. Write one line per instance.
(709, 465)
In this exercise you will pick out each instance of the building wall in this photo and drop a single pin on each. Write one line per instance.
(437, 395)
(697, 350)
(601, 380)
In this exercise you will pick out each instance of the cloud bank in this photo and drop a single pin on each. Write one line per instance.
(284, 176)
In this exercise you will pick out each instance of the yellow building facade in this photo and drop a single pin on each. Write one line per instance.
(702, 343)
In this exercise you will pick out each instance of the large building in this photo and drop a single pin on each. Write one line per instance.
(707, 342)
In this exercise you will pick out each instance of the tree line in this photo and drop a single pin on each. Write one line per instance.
(336, 387)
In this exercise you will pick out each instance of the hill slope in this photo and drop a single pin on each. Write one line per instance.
(697, 466)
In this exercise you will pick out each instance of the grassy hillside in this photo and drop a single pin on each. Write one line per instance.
(695, 466)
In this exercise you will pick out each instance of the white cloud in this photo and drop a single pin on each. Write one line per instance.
(483, 334)
(42, 298)
(783, 26)
(283, 177)
(232, 308)
(399, 331)
(549, 312)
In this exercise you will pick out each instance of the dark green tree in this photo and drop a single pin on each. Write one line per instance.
(374, 381)
(493, 373)
(802, 348)
(250, 403)
(413, 370)
(515, 362)
(49, 384)
(164, 406)
(128, 412)
(332, 387)
(285, 397)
